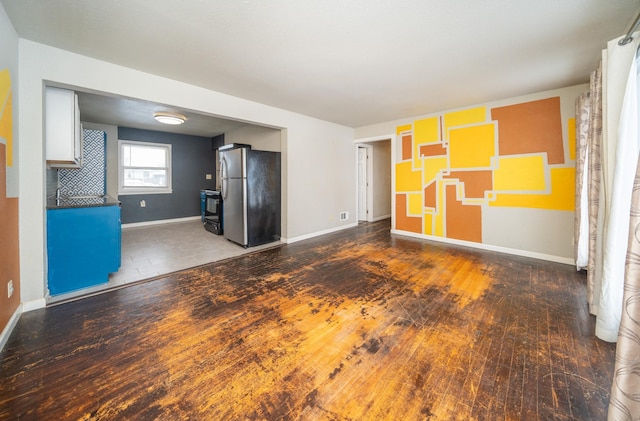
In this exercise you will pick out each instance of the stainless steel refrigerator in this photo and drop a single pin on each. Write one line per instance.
(250, 189)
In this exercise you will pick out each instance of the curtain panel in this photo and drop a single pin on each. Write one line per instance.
(608, 203)
(625, 389)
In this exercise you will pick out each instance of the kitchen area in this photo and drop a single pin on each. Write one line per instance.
(101, 235)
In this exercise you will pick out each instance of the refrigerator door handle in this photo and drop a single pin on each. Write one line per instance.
(223, 178)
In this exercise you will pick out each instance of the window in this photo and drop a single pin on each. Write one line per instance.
(144, 167)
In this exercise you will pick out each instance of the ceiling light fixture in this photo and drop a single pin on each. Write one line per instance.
(170, 118)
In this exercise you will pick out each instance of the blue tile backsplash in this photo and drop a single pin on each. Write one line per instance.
(90, 179)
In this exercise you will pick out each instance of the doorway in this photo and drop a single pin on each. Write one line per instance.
(373, 179)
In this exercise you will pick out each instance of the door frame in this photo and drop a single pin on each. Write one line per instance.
(368, 180)
(366, 142)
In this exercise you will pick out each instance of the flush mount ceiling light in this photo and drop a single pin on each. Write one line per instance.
(170, 118)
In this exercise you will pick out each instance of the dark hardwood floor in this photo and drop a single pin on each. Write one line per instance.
(354, 325)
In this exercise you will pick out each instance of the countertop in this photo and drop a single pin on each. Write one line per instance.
(81, 202)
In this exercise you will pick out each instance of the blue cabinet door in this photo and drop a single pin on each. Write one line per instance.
(83, 247)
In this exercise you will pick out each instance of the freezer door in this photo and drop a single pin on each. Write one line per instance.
(234, 211)
(233, 163)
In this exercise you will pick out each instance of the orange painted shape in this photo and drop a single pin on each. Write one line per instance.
(406, 147)
(475, 182)
(463, 222)
(531, 127)
(433, 150)
(404, 222)
(430, 200)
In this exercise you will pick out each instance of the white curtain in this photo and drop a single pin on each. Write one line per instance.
(619, 155)
(609, 145)
(624, 402)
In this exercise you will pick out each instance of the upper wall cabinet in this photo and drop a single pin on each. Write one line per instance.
(62, 128)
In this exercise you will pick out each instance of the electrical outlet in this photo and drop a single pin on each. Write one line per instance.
(209, 176)
(9, 288)
(344, 216)
(143, 204)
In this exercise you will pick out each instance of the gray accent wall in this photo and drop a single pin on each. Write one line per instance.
(191, 159)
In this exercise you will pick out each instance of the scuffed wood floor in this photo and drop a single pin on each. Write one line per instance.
(353, 325)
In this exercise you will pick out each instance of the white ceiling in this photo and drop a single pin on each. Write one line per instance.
(353, 62)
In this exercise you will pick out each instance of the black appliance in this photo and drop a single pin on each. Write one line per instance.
(211, 210)
(251, 194)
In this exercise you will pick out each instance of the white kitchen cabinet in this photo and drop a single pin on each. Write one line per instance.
(62, 128)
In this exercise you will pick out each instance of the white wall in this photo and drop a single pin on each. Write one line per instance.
(260, 138)
(316, 155)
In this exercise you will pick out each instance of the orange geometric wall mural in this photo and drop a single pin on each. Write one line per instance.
(454, 164)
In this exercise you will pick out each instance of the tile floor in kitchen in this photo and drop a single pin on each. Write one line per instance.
(153, 250)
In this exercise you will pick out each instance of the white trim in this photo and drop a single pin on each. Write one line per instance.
(143, 192)
(317, 233)
(34, 305)
(374, 138)
(4, 336)
(160, 222)
(124, 190)
(380, 218)
(359, 142)
(507, 250)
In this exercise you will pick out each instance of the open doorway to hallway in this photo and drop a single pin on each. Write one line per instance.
(374, 179)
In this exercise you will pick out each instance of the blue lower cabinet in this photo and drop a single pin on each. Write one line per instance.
(83, 247)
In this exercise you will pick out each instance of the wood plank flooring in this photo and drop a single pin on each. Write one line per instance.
(354, 325)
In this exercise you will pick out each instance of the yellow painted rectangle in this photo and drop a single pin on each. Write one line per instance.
(407, 180)
(415, 204)
(431, 167)
(472, 147)
(402, 129)
(425, 131)
(464, 117)
(438, 226)
(6, 129)
(562, 197)
(520, 173)
(427, 221)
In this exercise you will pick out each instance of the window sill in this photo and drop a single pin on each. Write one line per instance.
(143, 191)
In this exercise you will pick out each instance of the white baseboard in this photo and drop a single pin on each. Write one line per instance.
(380, 218)
(4, 336)
(34, 305)
(160, 222)
(507, 250)
(317, 233)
